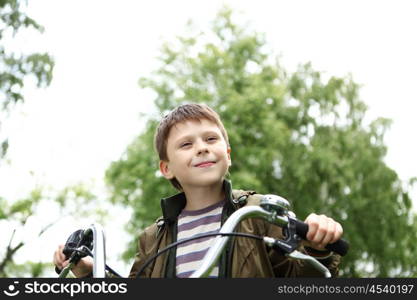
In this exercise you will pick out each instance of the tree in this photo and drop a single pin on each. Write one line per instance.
(15, 68)
(78, 201)
(293, 134)
(16, 214)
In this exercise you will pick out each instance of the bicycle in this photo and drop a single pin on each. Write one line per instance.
(88, 242)
(272, 208)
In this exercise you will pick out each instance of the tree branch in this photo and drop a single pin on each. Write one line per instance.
(10, 251)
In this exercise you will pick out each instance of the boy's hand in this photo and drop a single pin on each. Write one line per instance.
(322, 230)
(81, 269)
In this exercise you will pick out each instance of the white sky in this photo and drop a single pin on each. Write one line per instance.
(72, 130)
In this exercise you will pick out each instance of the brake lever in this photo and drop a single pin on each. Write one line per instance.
(290, 244)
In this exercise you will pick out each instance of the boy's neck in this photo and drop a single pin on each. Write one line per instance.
(202, 197)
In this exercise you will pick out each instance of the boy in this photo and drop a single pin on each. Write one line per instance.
(194, 153)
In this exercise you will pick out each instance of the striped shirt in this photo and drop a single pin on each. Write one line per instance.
(191, 223)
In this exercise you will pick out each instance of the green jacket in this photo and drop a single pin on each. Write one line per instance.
(243, 257)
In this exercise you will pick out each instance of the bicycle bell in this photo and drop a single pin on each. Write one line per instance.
(276, 204)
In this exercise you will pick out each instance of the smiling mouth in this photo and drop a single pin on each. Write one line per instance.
(206, 164)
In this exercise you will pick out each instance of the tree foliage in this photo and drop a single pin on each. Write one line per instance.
(300, 135)
(16, 67)
(15, 216)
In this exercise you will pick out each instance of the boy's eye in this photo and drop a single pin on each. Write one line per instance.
(212, 138)
(185, 144)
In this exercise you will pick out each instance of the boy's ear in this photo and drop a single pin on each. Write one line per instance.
(164, 168)
(228, 156)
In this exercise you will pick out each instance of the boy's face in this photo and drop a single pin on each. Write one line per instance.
(198, 154)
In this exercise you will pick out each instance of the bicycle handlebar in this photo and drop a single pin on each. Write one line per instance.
(99, 250)
(272, 208)
(273, 213)
(340, 247)
(77, 244)
(220, 242)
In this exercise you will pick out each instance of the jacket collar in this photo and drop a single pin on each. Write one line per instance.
(173, 205)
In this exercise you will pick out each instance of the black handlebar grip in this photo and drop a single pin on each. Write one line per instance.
(340, 247)
(72, 242)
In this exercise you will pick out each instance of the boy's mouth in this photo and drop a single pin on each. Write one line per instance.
(205, 164)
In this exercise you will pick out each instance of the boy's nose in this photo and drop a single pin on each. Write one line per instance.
(202, 150)
(201, 147)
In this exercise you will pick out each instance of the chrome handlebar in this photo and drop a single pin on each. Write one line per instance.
(272, 208)
(96, 232)
(99, 250)
(220, 241)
